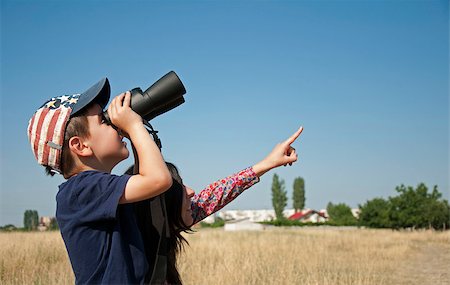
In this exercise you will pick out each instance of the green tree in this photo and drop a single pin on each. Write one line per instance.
(438, 214)
(279, 197)
(375, 213)
(417, 208)
(341, 214)
(8, 227)
(53, 224)
(30, 220)
(298, 195)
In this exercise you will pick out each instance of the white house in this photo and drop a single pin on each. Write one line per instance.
(311, 215)
(243, 225)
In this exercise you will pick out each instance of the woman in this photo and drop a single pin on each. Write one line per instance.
(163, 218)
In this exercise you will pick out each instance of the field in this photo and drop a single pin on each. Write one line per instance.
(273, 256)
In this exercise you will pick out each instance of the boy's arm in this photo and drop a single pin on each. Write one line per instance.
(153, 177)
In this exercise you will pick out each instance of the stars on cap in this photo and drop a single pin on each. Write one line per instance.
(67, 101)
(73, 100)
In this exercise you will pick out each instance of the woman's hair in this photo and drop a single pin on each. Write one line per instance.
(173, 198)
(174, 201)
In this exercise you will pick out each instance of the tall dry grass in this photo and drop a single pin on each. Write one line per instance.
(34, 258)
(273, 256)
(301, 256)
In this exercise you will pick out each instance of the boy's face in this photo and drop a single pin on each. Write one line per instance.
(104, 140)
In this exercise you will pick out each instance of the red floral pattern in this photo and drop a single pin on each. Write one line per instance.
(218, 194)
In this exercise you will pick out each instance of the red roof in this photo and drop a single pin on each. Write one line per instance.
(300, 215)
(296, 216)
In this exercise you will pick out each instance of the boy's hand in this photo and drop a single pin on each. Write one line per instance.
(151, 176)
(282, 154)
(121, 114)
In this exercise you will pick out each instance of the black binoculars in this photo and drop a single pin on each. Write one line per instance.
(164, 95)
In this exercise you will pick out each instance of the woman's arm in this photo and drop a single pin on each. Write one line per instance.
(218, 194)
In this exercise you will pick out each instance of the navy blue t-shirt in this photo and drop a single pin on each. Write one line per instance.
(101, 237)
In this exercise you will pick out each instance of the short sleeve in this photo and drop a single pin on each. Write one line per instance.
(102, 238)
(92, 197)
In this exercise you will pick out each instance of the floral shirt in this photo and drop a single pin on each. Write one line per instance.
(218, 194)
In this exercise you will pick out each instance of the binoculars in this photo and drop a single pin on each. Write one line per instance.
(164, 95)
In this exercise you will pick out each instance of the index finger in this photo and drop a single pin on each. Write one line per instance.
(294, 136)
(127, 100)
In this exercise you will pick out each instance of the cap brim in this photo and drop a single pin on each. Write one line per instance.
(99, 93)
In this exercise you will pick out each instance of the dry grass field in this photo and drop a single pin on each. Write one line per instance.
(273, 256)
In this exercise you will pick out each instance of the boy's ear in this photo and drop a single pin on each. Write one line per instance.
(79, 146)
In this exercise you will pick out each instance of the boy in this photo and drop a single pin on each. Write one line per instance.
(68, 135)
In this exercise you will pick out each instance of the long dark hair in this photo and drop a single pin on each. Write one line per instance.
(173, 201)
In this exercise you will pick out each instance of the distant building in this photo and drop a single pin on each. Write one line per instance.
(355, 213)
(44, 223)
(309, 216)
(210, 219)
(256, 215)
(251, 215)
(243, 225)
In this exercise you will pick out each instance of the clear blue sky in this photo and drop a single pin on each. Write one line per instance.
(368, 80)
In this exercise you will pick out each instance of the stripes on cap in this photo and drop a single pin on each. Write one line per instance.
(47, 127)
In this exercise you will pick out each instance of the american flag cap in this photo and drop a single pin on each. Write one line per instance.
(47, 126)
